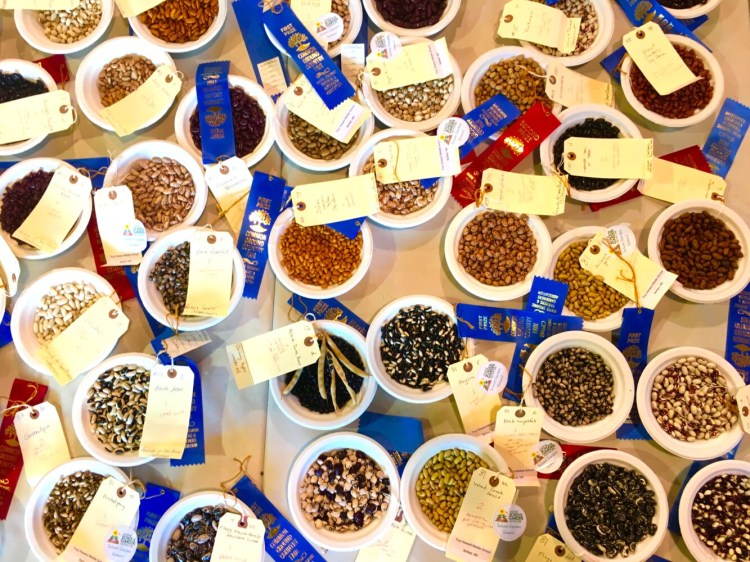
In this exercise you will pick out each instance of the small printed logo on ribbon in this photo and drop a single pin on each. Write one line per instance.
(454, 131)
(386, 45)
(492, 377)
(509, 522)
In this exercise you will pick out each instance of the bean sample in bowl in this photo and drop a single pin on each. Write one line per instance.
(60, 307)
(170, 274)
(122, 76)
(411, 14)
(691, 402)
(344, 490)
(721, 516)
(180, 21)
(401, 198)
(13, 86)
(341, 7)
(417, 102)
(193, 538)
(610, 509)
(700, 249)
(20, 198)
(591, 129)
(682, 4)
(583, 9)
(313, 142)
(69, 26)
(519, 78)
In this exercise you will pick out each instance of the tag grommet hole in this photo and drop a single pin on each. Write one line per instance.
(595, 249)
(301, 206)
(520, 413)
(560, 550)
(121, 492)
(494, 481)
(64, 109)
(113, 195)
(745, 411)
(640, 34)
(508, 18)
(172, 373)
(113, 314)
(487, 187)
(571, 155)
(468, 367)
(242, 522)
(297, 91)
(73, 179)
(224, 170)
(309, 341)
(168, 79)
(552, 80)
(382, 163)
(376, 71)
(211, 239)
(34, 414)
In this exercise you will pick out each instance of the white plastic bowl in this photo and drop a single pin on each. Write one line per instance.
(442, 194)
(142, 31)
(80, 413)
(733, 222)
(22, 321)
(312, 291)
(717, 77)
(695, 11)
(423, 527)
(649, 545)
(36, 534)
(302, 159)
(475, 287)
(33, 33)
(697, 450)
(624, 387)
(355, 540)
(451, 9)
(30, 71)
(145, 150)
(697, 548)
(290, 404)
(189, 104)
(575, 116)
(21, 170)
(151, 297)
(87, 94)
(448, 110)
(606, 18)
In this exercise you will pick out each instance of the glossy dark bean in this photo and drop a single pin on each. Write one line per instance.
(591, 129)
(682, 4)
(21, 197)
(411, 14)
(13, 86)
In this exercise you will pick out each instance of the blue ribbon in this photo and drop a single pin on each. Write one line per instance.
(156, 501)
(510, 324)
(399, 435)
(5, 335)
(328, 309)
(547, 295)
(658, 14)
(737, 350)
(726, 136)
(487, 119)
(349, 228)
(214, 111)
(611, 63)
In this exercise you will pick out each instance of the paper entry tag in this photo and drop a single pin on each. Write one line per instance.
(353, 61)
(229, 182)
(170, 398)
(272, 76)
(522, 193)
(41, 439)
(123, 236)
(130, 8)
(415, 159)
(517, 430)
(675, 183)
(39, 4)
(394, 546)
(570, 88)
(609, 158)
(210, 275)
(309, 12)
(539, 23)
(334, 201)
(36, 115)
(476, 407)
(10, 269)
(415, 64)
(743, 404)
(238, 539)
(547, 548)
(185, 342)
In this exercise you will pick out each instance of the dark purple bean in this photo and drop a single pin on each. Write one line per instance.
(21, 197)
(411, 14)
(13, 86)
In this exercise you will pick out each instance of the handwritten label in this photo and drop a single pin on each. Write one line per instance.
(539, 23)
(675, 183)
(743, 404)
(238, 539)
(42, 440)
(415, 64)
(548, 549)
(337, 200)
(130, 8)
(476, 407)
(609, 158)
(170, 397)
(353, 61)
(229, 182)
(34, 116)
(123, 236)
(570, 88)
(415, 159)
(10, 269)
(522, 193)
(185, 342)
(394, 546)
(272, 76)
(210, 274)
(517, 430)
(39, 4)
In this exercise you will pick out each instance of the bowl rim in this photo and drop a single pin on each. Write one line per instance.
(451, 9)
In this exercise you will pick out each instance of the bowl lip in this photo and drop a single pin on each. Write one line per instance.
(433, 537)
(717, 75)
(574, 116)
(27, 166)
(27, 70)
(90, 65)
(213, 30)
(733, 221)
(695, 546)
(560, 244)
(449, 14)
(695, 11)
(475, 287)
(620, 458)
(329, 442)
(416, 218)
(46, 45)
(698, 450)
(325, 422)
(621, 371)
(189, 103)
(311, 291)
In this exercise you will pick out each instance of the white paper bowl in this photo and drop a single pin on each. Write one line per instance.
(475, 287)
(30, 71)
(448, 110)
(22, 321)
(423, 527)
(717, 77)
(606, 18)
(290, 404)
(624, 387)
(312, 291)
(142, 31)
(451, 9)
(698, 449)
(33, 33)
(302, 159)
(87, 94)
(575, 116)
(21, 170)
(697, 548)
(36, 534)
(649, 545)
(442, 194)
(171, 518)
(694, 12)
(145, 150)
(355, 540)
(80, 413)
(190, 102)
(733, 222)
(151, 296)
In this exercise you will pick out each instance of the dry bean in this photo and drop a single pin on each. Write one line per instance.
(61, 306)
(170, 274)
(411, 14)
(417, 102)
(315, 143)
(66, 504)
(122, 76)
(180, 21)
(518, 78)
(69, 26)
(401, 198)
(20, 198)
(193, 539)
(583, 9)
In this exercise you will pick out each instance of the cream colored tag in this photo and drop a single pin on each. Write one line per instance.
(743, 404)
(609, 158)
(237, 543)
(353, 61)
(415, 64)
(309, 12)
(80, 344)
(570, 88)
(145, 104)
(415, 159)
(39, 4)
(272, 76)
(114, 505)
(394, 546)
(170, 398)
(210, 276)
(229, 181)
(42, 440)
(539, 23)
(274, 353)
(10, 269)
(34, 116)
(473, 536)
(340, 123)
(476, 407)
(123, 237)
(185, 342)
(675, 183)
(130, 8)
(517, 430)
(522, 193)
(548, 549)
(336, 200)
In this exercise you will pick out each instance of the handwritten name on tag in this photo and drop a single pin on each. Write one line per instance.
(210, 275)
(229, 181)
(238, 539)
(35, 116)
(170, 397)
(185, 342)
(522, 193)
(675, 183)
(517, 430)
(415, 64)
(548, 549)
(415, 159)
(336, 200)
(42, 440)
(570, 88)
(609, 158)
(476, 407)
(394, 546)
(539, 23)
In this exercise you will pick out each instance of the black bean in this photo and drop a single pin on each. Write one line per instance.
(411, 14)
(682, 4)
(591, 129)
(170, 273)
(13, 86)
(21, 197)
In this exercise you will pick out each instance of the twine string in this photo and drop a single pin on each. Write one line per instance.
(18, 405)
(633, 279)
